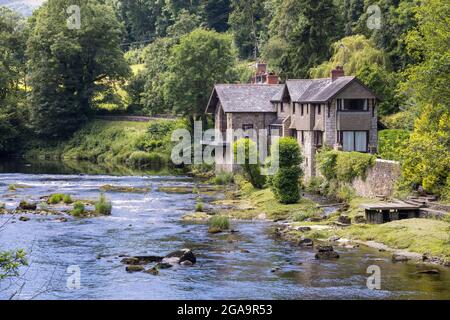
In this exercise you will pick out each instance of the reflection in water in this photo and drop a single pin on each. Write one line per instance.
(230, 266)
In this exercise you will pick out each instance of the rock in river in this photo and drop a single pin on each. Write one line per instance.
(305, 242)
(326, 252)
(141, 260)
(24, 219)
(399, 258)
(177, 257)
(135, 269)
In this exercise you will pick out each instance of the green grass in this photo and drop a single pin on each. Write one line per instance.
(102, 206)
(219, 221)
(78, 209)
(416, 235)
(199, 207)
(56, 198)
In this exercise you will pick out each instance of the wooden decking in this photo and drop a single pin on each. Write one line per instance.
(390, 206)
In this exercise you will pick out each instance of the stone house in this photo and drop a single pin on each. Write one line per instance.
(339, 112)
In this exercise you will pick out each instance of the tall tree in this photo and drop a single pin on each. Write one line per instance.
(217, 13)
(248, 24)
(12, 79)
(201, 59)
(302, 32)
(69, 66)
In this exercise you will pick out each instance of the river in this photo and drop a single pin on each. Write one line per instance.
(229, 266)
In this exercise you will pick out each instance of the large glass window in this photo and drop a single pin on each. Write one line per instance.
(354, 141)
(353, 104)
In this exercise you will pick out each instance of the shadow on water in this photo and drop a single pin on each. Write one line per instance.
(230, 266)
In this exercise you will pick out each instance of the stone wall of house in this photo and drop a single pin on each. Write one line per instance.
(380, 179)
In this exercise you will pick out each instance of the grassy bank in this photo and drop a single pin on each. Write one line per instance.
(133, 144)
(423, 236)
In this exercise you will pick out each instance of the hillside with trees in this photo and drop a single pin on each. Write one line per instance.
(162, 57)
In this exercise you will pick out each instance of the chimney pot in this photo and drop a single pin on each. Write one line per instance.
(337, 73)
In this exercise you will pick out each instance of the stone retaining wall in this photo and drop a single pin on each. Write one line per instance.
(380, 179)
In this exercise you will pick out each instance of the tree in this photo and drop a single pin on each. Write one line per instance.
(397, 17)
(428, 44)
(156, 57)
(248, 23)
(245, 150)
(217, 14)
(201, 59)
(12, 79)
(286, 181)
(306, 29)
(351, 11)
(360, 57)
(68, 67)
(426, 160)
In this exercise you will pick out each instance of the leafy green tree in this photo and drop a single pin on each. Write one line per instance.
(217, 14)
(397, 17)
(201, 59)
(248, 150)
(351, 11)
(426, 160)
(10, 262)
(68, 67)
(428, 78)
(304, 31)
(392, 143)
(12, 80)
(285, 183)
(156, 57)
(248, 23)
(185, 23)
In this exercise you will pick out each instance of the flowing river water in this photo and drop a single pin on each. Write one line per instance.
(229, 266)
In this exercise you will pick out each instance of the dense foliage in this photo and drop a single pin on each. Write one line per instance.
(286, 181)
(246, 154)
(391, 143)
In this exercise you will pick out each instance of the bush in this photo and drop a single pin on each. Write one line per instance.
(199, 207)
(219, 221)
(285, 183)
(326, 160)
(56, 198)
(350, 165)
(252, 171)
(392, 143)
(223, 178)
(78, 209)
(345, 193)
(102, 206)
(315, 185)
(141, 159)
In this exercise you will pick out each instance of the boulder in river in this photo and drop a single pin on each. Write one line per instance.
(326, 252)
(141, 260)
(305, 242)
(177, 257)
(134, 268)
(303, 229)
(27, 206)
(154, 271)
(214, 230)
(24, 219)
(399, 258)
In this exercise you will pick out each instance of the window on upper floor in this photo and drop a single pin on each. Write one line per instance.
(302, 109)
(293, 108)
(353, 104)
(319, 108)
(282, 107)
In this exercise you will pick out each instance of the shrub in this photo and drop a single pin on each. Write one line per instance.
(141, 159)
(326, 160)
(345, 193)
(285, 183)
(199, 207)
(252, 171)
(102, 206)
(350, 165)
(223, 178)
(67, 199)
(315, 185)
(219, 221)
(56, 198)
(392, 143)
(78, 209)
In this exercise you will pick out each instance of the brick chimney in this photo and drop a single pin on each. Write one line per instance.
(272, 79)
(261, 68)
(337, 73)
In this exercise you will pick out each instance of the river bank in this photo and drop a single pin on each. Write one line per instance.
(419, 240)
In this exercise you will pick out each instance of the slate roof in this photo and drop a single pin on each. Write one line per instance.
(245, 97)
(316, 90)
